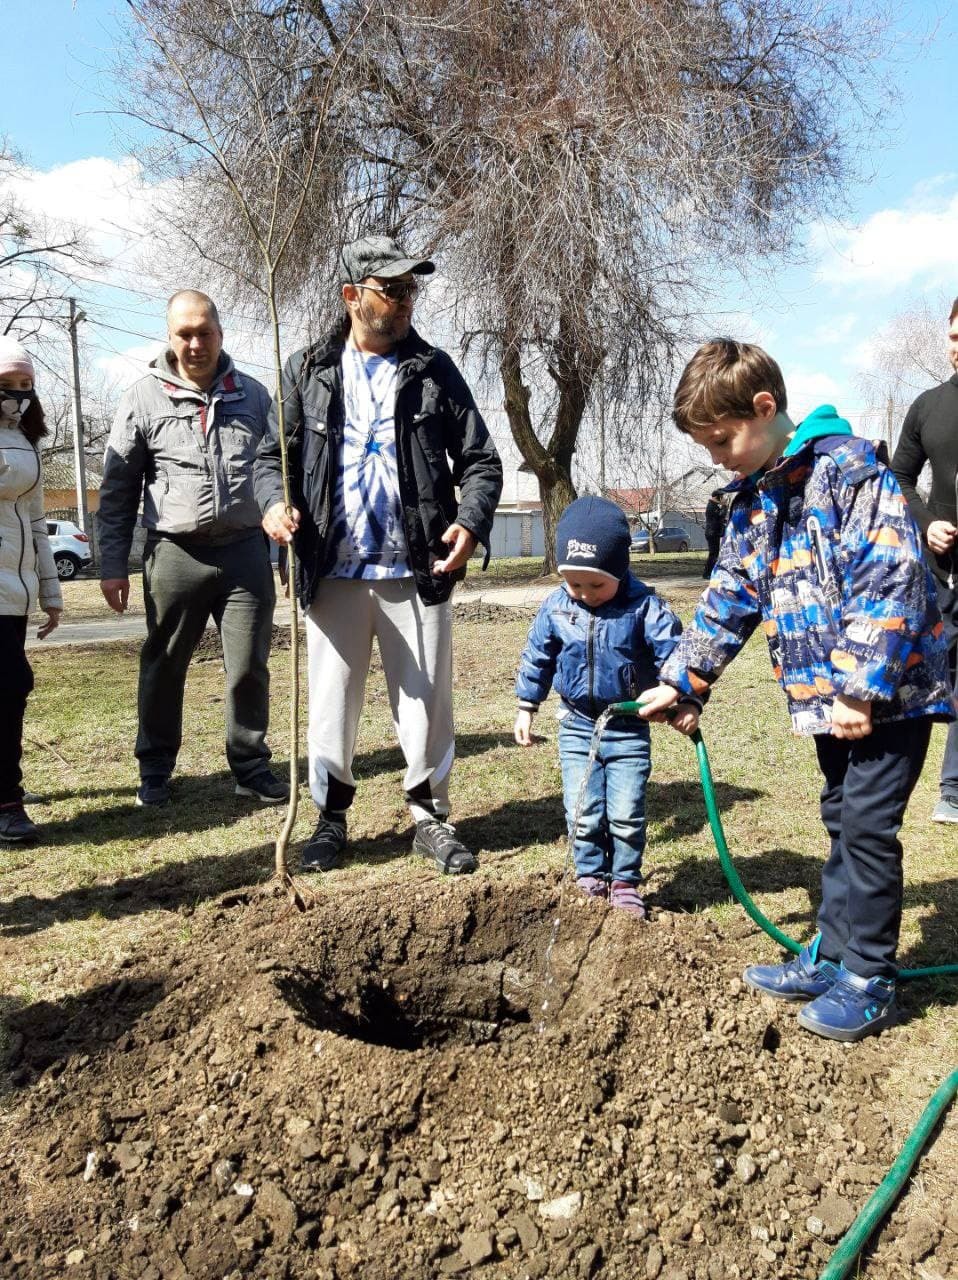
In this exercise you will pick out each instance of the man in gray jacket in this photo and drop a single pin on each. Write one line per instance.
(184, 440)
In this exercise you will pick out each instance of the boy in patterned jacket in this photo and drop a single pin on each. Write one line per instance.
(822, 551)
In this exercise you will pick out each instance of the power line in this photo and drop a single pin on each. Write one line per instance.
(154, 297)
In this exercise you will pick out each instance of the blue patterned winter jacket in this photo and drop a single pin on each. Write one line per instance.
(596, 656)
(822, 551)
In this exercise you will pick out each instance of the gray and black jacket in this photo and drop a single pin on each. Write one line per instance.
(189, 454)
(441, 444)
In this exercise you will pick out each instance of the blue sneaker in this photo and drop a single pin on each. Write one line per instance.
(802, 978)
(851, 1008)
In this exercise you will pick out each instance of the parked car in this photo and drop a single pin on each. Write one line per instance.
(667, 539)
(671, 540)
(70, 547)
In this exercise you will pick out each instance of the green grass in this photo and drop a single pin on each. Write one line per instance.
(506, 800)
(109, 877)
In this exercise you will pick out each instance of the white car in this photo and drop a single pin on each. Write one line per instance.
(70, 547)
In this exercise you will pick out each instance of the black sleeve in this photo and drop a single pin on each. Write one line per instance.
(908, 463)
(268, 469)
(476, 467)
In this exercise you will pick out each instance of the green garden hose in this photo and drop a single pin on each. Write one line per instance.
(732, 876)
(888, 1190)
(885, 1195)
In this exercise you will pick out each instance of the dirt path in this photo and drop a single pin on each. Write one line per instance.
(132, 626)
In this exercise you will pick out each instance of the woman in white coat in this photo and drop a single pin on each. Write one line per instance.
(27, 573)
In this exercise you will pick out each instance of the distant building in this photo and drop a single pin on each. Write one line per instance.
(520, 489)
(60, 486)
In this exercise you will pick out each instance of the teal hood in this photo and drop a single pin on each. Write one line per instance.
(823, 421)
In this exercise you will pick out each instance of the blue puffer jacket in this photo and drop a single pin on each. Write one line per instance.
(822, 551)
(596, 656)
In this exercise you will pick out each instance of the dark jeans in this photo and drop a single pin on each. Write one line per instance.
(183, 587)
(867, 785)
(16, 683)
(713, 543)
(948, 604)
(610, 837)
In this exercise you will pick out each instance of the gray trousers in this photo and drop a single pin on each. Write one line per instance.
(415, 644)
(183, 587)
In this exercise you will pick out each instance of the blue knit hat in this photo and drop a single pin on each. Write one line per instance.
(593, 534)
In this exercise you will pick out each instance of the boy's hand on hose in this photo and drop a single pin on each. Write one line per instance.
(851, 718)
(522, 731)
(655, 702)
(686, 718)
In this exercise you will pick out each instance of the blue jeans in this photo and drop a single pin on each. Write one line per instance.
(610, 838)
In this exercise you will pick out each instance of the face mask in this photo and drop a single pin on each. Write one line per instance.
(14, 404)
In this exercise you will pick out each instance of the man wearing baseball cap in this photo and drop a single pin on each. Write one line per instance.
(382, 431)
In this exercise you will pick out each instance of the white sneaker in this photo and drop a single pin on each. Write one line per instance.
(945, 811)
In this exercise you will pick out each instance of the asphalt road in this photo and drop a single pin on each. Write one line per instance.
(133, 626)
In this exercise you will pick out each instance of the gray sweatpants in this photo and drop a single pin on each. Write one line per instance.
(415, 644)
(183, 587)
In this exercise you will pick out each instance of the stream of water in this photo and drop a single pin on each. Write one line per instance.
(549, 977)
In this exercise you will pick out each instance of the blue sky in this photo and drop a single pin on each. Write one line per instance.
(896, 243)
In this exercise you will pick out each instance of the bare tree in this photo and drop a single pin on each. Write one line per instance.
(38, 257)
(217, 73)
(908, 356)
(580, 168)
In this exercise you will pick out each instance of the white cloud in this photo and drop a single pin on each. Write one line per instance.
(893, 247)
(807, 390)
(121, 369)
(109, 200)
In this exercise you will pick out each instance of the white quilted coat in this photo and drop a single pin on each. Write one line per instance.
(27, 571)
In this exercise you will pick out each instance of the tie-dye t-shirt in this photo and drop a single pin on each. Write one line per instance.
(368, 538)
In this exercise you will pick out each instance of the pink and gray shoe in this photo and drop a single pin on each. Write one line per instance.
(626, 897)
(593, 886)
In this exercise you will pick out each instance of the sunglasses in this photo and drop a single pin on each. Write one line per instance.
(395, 290)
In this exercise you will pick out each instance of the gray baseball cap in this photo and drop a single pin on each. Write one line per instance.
(379, 256)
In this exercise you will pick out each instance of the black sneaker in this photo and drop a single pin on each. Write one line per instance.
(323, 850)
(265, 787)
(154, 790)
(16, 827)
(437, 840)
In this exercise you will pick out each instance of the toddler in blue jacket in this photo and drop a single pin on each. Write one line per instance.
(599, 639)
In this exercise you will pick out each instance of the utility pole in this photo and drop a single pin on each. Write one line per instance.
(79, 464)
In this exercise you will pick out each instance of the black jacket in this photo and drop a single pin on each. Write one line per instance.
(930, 434)
(437, 424)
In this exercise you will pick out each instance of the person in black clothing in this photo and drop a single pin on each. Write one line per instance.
(930, 434)
(394, 483)
(716, 517)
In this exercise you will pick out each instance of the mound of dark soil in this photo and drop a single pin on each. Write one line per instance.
(485, 611)
(210, 647)
(364, 1091)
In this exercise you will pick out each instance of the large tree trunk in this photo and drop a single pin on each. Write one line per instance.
(552, 462)
(553, 473)
(555, 498)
